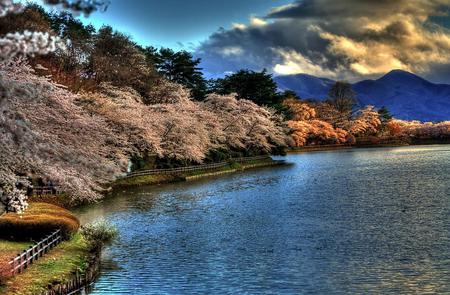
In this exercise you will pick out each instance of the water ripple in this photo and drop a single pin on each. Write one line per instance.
(369, 221)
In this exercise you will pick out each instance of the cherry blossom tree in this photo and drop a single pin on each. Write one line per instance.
(167, 92)
(8, 6)
(44, 133)
(19, 140)
(31, 43)
(28, 44)
(175, 128)
(245, 125)
(13, 199)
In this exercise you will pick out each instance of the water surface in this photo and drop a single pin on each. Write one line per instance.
(340, 222)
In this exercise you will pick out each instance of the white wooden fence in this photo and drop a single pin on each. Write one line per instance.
(27, 257)
(194, 168)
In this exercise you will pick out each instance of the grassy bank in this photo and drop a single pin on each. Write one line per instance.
(167, 178)
(8, 250)
(56, 267)
(19, 231)
(72, 256)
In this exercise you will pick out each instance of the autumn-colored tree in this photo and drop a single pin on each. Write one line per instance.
(316, 132)
(309, 130)
(419, 130)
(328, 113)
(394, 128)
(299, 111)
(366, 122)
(342, 97)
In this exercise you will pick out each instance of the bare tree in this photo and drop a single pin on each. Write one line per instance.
(342, 97)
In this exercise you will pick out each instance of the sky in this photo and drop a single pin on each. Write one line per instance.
(178, 24)
(346, 39)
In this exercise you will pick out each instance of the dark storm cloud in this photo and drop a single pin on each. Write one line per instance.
(337, 39)
(354, 8)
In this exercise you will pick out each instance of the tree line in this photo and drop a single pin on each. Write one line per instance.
(82, 113)
(92, 56)
(80, 106)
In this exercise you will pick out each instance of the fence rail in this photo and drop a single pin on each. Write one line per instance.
(45, 190)
(194, 168)
(27, 257)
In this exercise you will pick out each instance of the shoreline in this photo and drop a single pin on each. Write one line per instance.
(322, 148)
(194, 175)
(78, 282)
(62, 201)
(65, 267)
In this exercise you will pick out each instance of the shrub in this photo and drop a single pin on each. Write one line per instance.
(98, 234)
(13, 200)
(38, 221)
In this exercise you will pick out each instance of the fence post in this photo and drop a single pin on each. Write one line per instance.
(24, 260)
(19, 270)
(27, 257)
(14, 267)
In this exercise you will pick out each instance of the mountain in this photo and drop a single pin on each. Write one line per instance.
(306, 86)
(406, 95)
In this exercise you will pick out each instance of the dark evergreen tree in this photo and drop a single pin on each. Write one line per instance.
(117, 59)
(179, 67)
(80, 41)
(258, 87)
(385, 114)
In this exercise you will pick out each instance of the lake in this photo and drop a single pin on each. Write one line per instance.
(339, 222)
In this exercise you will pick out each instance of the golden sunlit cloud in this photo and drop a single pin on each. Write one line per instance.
(352, 39)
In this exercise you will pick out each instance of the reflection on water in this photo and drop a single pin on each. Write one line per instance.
(341, 222)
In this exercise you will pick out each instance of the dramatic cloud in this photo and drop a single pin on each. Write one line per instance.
(349, 39)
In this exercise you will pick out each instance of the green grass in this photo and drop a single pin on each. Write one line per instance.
(7, 246)
(56, 267)
(233, 166)
(146, 180)
(9, 249)
(161, 178)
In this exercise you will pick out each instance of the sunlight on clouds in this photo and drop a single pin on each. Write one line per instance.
(350, 39)
(257, 22)
(395, 45)
(364, 58)
(296, 63)
(239, 26)
(231, 50)
(282, 8)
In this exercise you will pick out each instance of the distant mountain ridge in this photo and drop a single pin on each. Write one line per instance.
(406, 95)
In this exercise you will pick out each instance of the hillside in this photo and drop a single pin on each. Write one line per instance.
(406, 95)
